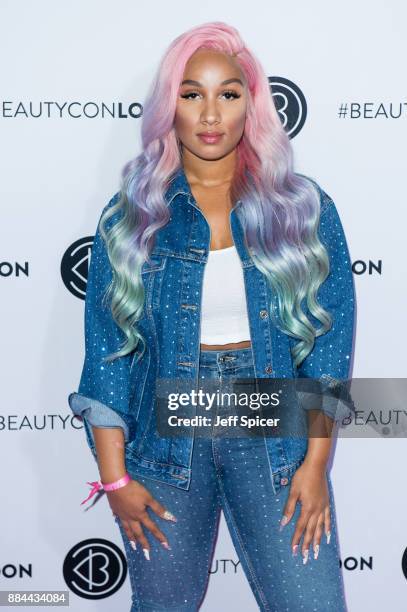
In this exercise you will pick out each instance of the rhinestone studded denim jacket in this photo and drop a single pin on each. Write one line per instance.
(122, 393)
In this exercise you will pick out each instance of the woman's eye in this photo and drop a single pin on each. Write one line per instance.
(187, 95)
(234, 94)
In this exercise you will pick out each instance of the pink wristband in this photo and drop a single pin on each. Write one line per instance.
(117, 484)
(110, 486)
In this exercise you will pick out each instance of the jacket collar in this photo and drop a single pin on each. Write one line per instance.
(188, 233)
(178, 184)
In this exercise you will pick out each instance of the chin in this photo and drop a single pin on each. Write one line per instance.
(212, 156)
(212, 151)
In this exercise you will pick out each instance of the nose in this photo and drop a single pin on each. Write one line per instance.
(210, 113)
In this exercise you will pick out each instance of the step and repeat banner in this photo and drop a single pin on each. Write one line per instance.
(73, 79)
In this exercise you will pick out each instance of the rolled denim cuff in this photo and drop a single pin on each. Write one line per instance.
(96, 414)
(329, 395)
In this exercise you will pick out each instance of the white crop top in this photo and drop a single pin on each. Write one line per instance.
(224, 316)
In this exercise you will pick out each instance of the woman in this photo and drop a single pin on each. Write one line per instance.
(220, 263)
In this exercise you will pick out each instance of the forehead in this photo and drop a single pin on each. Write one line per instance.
(207, 62)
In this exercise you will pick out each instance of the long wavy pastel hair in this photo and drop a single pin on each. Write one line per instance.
(279, 212)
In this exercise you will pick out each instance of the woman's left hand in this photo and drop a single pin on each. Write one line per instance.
(310, 488)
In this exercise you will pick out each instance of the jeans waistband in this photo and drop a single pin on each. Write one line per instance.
(225, 358)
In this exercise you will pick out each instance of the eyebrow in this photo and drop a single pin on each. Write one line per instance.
(198, 84)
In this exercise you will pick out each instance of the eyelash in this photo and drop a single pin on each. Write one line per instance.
(230, 91)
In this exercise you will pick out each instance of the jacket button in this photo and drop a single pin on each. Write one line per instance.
(284, 481)
(268, 369)
(264, 314)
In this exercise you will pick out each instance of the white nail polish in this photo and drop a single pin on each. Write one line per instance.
(133, 544)
(283, 521)
(305, 557)
(146, 553)
(316, 551)
(328, 537)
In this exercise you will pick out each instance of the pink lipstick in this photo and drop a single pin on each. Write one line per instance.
(210, 137)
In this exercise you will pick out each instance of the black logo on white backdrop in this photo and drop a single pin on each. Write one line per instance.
(404, 563)
(95, 568)
(290, 104)
(75, 266)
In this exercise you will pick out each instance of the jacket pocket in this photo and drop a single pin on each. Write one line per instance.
(152, 274)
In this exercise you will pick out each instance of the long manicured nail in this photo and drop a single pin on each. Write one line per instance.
(305, 557)
(133, 544)
(169, 516)
(316, 551)
(328, 537)
(294, 550)
(146, 553)
(166, 545)
(283, 521)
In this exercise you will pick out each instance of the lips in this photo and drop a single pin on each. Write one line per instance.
(210, 137)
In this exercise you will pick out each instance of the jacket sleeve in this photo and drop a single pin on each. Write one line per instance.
(329, 362)
(102, 399)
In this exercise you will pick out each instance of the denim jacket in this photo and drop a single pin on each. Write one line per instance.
(121, 393)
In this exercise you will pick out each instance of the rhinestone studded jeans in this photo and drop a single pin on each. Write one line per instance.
(231, 474)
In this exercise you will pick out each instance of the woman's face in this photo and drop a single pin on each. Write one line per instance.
(212, 99)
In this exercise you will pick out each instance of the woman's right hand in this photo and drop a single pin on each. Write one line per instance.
(129, 504)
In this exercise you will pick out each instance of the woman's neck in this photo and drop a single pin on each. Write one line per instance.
(207, 173)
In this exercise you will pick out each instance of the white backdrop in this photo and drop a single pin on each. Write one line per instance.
(59, 170)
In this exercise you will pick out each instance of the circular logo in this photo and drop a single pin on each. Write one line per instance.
(404, 563)
(95, 568)
(290, 104)
(75, 265)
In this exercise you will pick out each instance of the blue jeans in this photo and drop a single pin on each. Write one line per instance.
(231, 474)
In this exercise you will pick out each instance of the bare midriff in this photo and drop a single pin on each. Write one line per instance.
(221, 347)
